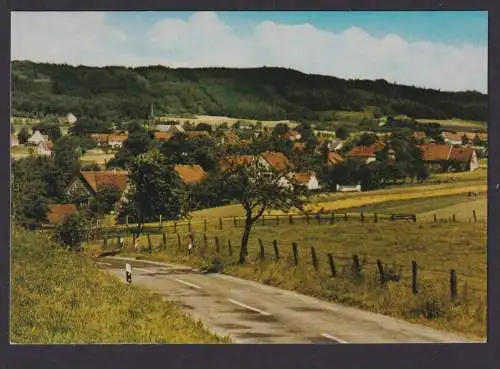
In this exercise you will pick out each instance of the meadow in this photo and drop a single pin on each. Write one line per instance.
(58, 297)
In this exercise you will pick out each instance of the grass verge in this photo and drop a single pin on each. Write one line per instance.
(63, 298)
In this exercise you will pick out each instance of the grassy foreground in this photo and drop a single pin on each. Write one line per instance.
(63, 298)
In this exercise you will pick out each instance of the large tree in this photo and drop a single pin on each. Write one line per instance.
(155, 189)
(23, 135)
(258, 188)
(50, 129)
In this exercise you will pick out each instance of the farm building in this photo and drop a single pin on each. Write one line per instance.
(44, 148)
(163, 136)
(190, 174)
(228, 138)
(171, 128)
(434, 155)
(114, 140)
(307, 179)
(88, 183)
(58, 212)
(276, 160)
(36, 138)
(292, 135)
(365, 154)
(334, 158)
(68, 119)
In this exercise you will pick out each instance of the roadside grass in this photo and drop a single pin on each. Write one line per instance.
(436, 247)
(62, 298)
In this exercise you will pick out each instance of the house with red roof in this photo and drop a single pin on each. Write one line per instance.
(365, 154)
(58, 212)
(434, 155)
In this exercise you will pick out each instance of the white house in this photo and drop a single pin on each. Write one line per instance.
(37, 138)
(44, 148)
(70, 118)
(356, 188)
(307, 179)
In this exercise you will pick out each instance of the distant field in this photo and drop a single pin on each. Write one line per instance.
(20, 151)
(97, 156)
(218, 120)
(456, 123)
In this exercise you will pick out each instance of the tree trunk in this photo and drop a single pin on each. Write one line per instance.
(244, 240)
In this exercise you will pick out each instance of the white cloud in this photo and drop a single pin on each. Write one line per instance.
(204, 40)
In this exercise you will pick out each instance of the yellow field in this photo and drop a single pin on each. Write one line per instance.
(218, 120)
(480, 206)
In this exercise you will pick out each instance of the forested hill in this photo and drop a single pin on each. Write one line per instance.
(259, 93)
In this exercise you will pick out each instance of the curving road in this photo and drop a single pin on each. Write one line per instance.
(251, 312)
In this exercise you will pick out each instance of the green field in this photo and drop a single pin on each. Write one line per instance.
(62, 298)
(456, 124)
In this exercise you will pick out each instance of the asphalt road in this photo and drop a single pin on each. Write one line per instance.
(251, 312)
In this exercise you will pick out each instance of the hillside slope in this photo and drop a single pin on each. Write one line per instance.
(258, 93)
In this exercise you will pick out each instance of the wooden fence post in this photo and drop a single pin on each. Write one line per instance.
(345, 217)
(380, 268)
(454, 218)
(295, 253)
(307, 218)
(362, 217)
(104, 243)
(118, 242)
(277, 220)
(435, 218)
(453, 284)
(290, 219)
(356, 266)
(332, 265)
(189, 226)
(126, 225)
(332, 218)
(318, 218)
(160, 226)
(220, 224)
(175, 227)
(261, 253)
(164, 240)
(234, 222)
(217, 244)
(205, 240)
(474, 215)
(133, 240)
(178, 241)
(205, 225)
(276, 250)
(414, 286)
(375, 218)
(150, 247)
(314, 258)
(230, 247)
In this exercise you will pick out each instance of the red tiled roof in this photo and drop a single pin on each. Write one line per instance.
(58, 212)
(463, 154)
(366, 151)
(234, 160)
(303, 177)
(435, 152)
(277, 160)
(106, 137)
(96, 179)
(334, 158)
(190, 174)
(163, 136)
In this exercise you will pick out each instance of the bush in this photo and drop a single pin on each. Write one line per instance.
(72, 231)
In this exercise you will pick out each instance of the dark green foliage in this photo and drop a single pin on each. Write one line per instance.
(105, 200)
(156, 189)
(53, 130)
(341, 133)
(208, 193)
(259, 93)
(23, 135)
(198, 150)
(85, 126)
(73, 230)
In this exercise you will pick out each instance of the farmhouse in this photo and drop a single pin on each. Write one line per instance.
(276, 160)
(88, 183)
(44, 148)
(114, 140)
(229, 138)
(307, 179)
(58, 212)
(36, 138)
(190, 174)
(163, 136)
(292, 135)
(435, 155)
(68, 119)
(171, 128)
(366, 154)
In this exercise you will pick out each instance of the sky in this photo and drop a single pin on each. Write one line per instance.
(442, 50)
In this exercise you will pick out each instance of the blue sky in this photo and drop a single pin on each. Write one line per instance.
(441, 50)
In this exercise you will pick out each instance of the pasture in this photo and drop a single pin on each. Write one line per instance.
(457, 124)
(58, 297)
(97, 156)
(218, 120)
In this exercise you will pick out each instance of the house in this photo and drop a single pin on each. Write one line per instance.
(434, 155)
(58, 212)
(334, 158)
(114, 140)
(452, 138)
(229, 138)
(235, 160)
(356, 188)
(307, 179)
(419, 135)
(365, 154)
(88, 183)
(44, 148)
(36, 138)
(14, 141)
(68, 119)
(276, 160)
(190, 174)
(292, 135)
(171, 128)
